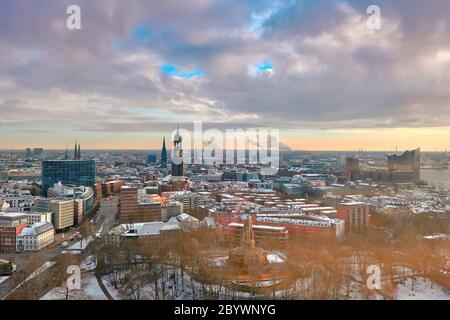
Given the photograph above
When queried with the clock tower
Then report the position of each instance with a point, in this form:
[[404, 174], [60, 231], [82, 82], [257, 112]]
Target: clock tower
[[177, 155]]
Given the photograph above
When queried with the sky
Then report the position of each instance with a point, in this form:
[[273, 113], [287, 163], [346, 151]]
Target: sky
[[312, 69]]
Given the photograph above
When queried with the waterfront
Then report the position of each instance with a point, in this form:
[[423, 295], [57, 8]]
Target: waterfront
[[436, 176]]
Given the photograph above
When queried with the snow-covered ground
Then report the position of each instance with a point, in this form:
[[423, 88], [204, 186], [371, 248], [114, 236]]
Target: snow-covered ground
[[3, 278], [421, 289], [81, 245], [115, 293], [90, 263], [90, 290], [178, 293], [274, 258], [74, 252]]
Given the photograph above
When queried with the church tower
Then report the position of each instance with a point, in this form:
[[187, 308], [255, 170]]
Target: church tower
[[164, 154], [177, 155]]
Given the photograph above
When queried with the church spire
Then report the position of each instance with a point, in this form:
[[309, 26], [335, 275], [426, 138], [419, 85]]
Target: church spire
[[164, 154]]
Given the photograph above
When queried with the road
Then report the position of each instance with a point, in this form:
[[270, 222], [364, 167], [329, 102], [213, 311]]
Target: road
[[104, 220], [106, 216]]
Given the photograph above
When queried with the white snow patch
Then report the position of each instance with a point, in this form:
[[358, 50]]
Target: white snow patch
[[422, 289], [3, 278], [90, 290], [90, 263]]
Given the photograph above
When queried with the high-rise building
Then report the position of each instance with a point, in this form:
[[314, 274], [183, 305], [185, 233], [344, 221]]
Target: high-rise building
[[355, 214], [133, 211], [352, 168], [62, 211], [404, 167], [164, 154], [71, 172], [177, 155]]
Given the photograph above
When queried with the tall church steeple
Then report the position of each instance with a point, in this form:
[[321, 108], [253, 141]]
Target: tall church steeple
[[164, 154], [77, 152]]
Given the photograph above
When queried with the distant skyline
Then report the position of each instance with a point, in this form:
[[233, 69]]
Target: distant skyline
[[309, 68]]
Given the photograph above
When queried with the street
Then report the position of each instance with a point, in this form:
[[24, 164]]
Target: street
[[104, 220]]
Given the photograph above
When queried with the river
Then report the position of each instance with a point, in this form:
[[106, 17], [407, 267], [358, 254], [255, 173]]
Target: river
[[436, 176]]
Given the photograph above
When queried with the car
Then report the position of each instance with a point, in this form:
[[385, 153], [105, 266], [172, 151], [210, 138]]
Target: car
[[64, 244], [7, 268]]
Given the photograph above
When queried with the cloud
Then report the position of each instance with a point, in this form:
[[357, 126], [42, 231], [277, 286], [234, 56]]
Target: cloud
[[283, 64]]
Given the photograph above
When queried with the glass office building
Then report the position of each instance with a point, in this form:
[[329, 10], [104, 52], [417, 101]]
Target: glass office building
[[68, 172]]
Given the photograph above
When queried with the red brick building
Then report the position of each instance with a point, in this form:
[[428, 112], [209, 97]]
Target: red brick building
[[112, 187], [98, 191], [131, 211], [355, 214], [11, 224]]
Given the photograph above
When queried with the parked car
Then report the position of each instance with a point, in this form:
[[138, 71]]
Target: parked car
[[64, 244], [7, 268]]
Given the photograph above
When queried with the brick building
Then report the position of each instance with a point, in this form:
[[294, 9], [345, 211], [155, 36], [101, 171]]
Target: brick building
[[131, 211], [355, 214], [11, 224]]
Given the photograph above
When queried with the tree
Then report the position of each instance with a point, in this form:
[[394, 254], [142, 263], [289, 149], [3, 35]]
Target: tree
[[85, 230]]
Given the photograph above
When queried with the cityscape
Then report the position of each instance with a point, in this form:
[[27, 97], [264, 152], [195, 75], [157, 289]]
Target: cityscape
[[224, 151], [142, 225]]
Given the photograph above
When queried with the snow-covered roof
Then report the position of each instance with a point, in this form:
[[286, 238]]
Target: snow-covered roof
[[257, 226], [186, 217], [36, 229], [150, 228]]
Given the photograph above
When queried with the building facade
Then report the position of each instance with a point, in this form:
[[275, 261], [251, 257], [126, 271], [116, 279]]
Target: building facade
[[37, 217], [355, 214], [68, 172], [36, 237], [131, 210], [405, 167], [62, 211], [11, 224], [18, 200]]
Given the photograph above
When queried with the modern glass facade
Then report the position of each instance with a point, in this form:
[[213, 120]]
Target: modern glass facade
[[73, 172]]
